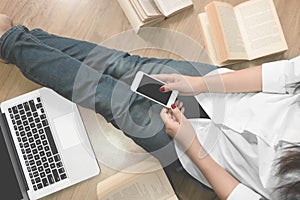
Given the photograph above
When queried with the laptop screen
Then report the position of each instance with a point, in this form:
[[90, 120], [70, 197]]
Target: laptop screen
[[9, 185]]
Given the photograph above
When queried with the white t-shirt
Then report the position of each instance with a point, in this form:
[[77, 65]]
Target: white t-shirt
[[247, 130]]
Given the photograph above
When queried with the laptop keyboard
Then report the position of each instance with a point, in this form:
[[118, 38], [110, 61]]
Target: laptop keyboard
[[35, 139]]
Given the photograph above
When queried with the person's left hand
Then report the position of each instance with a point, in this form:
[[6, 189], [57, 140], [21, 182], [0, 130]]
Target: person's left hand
[[185, 85], [177, 125]]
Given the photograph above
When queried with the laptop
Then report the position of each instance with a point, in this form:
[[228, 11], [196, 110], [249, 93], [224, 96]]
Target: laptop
[[44, 146]]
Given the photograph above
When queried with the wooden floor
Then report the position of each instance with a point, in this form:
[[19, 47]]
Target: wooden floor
[[99, 20]]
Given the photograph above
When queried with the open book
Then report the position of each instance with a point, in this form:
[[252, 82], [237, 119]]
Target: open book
[[142, 13], [151, 183], [245, 32]]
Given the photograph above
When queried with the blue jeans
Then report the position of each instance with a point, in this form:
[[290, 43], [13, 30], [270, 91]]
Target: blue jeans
[[98, 78]]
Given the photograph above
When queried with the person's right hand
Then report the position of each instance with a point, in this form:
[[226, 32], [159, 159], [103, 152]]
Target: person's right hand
[[178, 126], [185, 85]]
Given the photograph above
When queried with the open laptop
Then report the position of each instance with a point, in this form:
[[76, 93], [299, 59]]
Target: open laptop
[[43, 146]]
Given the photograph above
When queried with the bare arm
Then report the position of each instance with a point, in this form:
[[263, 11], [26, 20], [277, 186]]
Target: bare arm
[[179, 127], [246, 80], [220, 180]]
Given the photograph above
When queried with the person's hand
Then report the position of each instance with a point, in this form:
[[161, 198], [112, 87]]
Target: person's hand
[[185, 85], [177, 125]]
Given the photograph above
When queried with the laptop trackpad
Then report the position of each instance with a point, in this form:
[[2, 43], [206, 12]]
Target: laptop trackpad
[[67, 131]]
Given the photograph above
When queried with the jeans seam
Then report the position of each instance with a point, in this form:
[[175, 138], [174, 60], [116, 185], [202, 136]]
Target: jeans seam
[[28, 35], [3, 38]]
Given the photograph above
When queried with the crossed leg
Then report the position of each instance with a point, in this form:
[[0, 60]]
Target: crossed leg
[[60, 64]]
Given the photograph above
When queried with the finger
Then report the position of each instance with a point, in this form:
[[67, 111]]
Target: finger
[[169, 117], [179, 104], [164, 114], [170, 114], [164, 111], [165, 88], [169, 87], [182, 110], [177, 113]]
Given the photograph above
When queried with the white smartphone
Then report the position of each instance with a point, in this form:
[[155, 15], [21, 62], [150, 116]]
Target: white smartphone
[[148, 87]]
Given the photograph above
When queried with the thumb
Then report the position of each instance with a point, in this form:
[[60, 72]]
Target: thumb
[[168, 87]]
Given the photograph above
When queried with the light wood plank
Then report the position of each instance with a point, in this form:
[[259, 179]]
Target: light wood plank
[[99, 20]]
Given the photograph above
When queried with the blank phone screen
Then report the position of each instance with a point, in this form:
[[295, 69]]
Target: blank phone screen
[[150, 87]]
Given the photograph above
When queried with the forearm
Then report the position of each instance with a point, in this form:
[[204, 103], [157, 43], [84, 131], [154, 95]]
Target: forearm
[[220, 180], [181, 129], [246, 80]]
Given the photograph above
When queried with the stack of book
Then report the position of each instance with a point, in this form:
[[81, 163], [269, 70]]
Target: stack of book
[[232, 34], [142, 13]]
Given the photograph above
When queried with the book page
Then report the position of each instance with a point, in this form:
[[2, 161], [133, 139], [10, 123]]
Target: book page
[[134, 18], [149, 7], [260, 28], [131, 14], [170, 7], [150, 186], [230, 32], [150, 183], [139, 10], [146, 10], [209, 44]]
